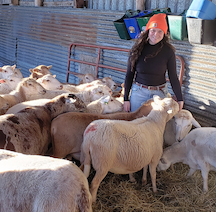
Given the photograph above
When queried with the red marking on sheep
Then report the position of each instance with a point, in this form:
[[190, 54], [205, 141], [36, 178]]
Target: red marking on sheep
[[91, 128]]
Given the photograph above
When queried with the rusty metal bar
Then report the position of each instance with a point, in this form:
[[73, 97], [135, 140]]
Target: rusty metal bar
[[97, 64]]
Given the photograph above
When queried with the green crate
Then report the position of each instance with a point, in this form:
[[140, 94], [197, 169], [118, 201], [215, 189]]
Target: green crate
[[142, 22], [121, 28], [177, 27]]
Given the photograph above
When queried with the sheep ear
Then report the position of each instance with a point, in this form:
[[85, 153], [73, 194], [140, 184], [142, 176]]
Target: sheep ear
[[49, 67], [54, 76], [156, 99], [105, 99], [169, 111], [14, 66], [195, 123], [169, 95]]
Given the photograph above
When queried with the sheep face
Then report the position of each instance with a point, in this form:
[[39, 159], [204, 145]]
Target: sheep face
[[111, 105], [50, 82], [40, 70], [6, 71], [69, 102], [183, 122], [167, 104], [31, 87], [110, 83]]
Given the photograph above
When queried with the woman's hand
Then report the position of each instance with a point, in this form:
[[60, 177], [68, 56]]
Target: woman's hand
[[127, 106], [181, 103]]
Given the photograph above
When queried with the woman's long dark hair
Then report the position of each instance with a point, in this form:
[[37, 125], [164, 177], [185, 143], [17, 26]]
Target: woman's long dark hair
[[137, 48]]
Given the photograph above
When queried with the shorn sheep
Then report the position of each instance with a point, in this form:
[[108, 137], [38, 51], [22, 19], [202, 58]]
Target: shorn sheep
[[72, 125], [34, 183], [124, 147], [106, 104], [197, 149], [28, 131]]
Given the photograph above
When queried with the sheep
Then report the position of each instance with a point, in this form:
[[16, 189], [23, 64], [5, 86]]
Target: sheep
[[197, 150], [28, 131], [179, 126], [75, 124], [20, 106], [6, 71], [18, 73], [106, 104], [39, 71], [4, 87], [26, 90], [50, 82], [85, 78], [71, 126], [9, 84], [109, 82], [124, 147], [40, 183]]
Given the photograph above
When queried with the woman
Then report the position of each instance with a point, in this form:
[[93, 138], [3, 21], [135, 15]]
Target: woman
[[150, 57]]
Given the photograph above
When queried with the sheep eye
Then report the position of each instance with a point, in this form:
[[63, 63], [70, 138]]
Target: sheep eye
[[5, 71], [100, 91], [11, 80], [48, 80], [162, 161], [111, 100]]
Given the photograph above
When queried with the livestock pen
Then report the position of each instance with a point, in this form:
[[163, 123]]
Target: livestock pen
[[31, 36]]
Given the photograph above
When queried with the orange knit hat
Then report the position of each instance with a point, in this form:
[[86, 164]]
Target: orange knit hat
[[158, 21]]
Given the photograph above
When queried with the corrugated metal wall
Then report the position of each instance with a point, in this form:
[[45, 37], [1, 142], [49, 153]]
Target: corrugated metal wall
[[30, 36]]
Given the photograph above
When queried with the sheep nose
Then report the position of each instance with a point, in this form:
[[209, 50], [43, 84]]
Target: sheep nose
[[61, 87]]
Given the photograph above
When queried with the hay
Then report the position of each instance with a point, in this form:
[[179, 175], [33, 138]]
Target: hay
[[176, 192]]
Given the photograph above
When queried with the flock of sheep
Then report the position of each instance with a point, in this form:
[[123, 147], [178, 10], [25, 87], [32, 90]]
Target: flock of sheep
[[43, 122]]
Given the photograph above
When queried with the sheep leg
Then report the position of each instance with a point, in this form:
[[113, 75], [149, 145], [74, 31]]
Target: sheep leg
[[204, 171], [191, 171], [152, 169], [132, 178], [99, 176], [144, 178]]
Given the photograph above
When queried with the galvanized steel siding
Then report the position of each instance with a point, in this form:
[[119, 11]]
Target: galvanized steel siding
[[31, 36]]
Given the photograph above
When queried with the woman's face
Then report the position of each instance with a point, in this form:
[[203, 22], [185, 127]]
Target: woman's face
[[155, 35]]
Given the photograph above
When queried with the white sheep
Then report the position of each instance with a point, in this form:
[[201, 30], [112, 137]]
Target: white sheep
[[124, 147], [9, 84], [6, 71], [85, 78], [50, 82], [41, 184], [197, 150], [106, 104], [71, 126], [39, 71], [88, 78], [26, 90], [179, 126]]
